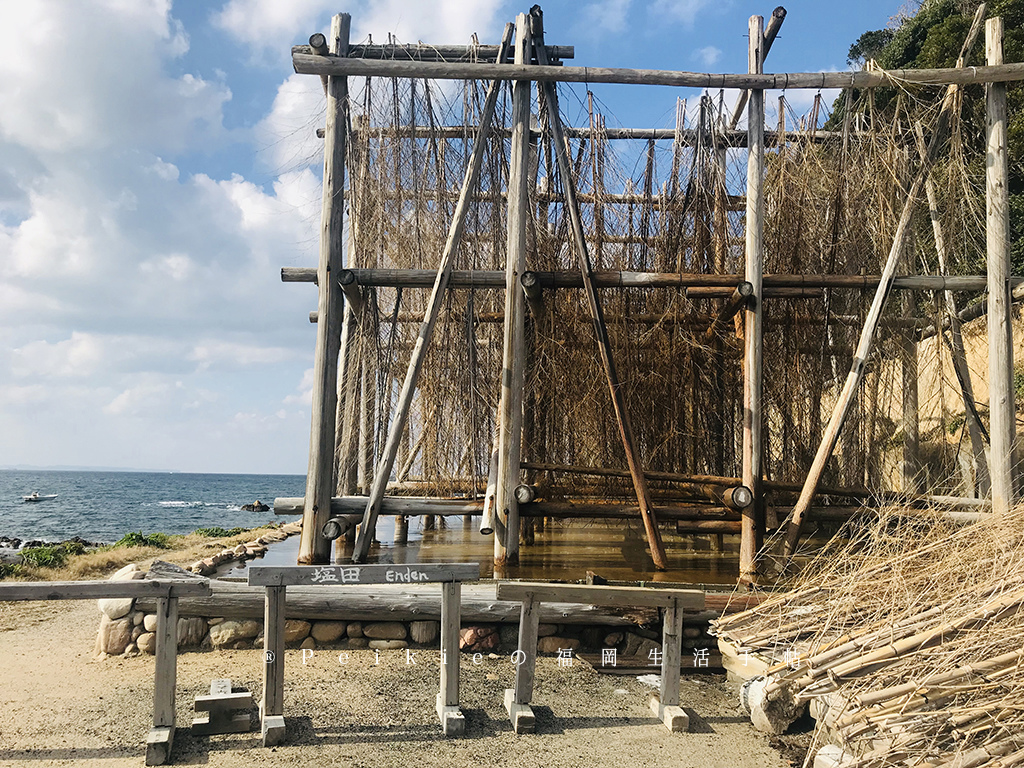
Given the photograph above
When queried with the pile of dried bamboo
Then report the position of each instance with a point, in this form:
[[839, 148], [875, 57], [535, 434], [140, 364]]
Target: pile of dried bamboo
[[910, 641]]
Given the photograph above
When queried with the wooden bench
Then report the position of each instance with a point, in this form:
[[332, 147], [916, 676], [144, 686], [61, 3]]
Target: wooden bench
[[278, 579], [161, 735], [665, 705]]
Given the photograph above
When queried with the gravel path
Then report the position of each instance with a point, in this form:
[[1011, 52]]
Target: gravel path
[[60, 707]]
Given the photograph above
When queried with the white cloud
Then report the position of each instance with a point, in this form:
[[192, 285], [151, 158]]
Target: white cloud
[[147, 398], [88, 97], [708, 55], [216, 352], [288, 133], [166, 171], [176, 266], [684, 11], [602, 17], [267, 24], [79, 356], [304, 396]]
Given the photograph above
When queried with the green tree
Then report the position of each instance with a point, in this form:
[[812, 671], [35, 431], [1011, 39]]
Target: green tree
[[932, 38], [870, 45]]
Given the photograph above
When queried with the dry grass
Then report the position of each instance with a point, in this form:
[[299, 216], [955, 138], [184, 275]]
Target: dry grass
[[181, 550]]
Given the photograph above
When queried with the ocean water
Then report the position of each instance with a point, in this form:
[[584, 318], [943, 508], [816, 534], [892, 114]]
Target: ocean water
[[103, 506]]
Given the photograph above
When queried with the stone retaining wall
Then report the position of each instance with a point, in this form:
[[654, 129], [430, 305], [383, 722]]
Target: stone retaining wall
[[124, 630], [132, 633]]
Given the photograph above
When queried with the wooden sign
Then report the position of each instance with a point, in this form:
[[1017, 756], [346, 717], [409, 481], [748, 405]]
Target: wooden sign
[[326, 575]]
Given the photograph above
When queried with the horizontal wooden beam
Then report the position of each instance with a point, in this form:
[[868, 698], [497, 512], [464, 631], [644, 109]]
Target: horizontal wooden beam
[[390, 505], [655, 201], [424, 278], [408, 602], [973, 312], [686, 138], [443, 53], [312, 64], [709, 526], [674, 477], [326, 575], [543, 592], [346, 507], [102, 590]]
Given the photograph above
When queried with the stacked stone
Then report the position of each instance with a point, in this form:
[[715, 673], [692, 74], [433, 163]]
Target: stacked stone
[[247, 551], [126, 631], [129, 632]]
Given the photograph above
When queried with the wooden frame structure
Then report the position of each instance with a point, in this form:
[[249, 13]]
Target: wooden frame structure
[[161, 736], [664, 705], [524, 58], [277, 579]]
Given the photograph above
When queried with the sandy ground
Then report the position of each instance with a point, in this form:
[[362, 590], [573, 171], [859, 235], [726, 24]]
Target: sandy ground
[[60, 707]]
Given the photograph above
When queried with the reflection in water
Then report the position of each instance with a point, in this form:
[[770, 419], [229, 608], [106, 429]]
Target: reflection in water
[[564, 550]]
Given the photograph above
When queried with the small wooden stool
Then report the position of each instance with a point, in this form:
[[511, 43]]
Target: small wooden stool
[[220, 710]]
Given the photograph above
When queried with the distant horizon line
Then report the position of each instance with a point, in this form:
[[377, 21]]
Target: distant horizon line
[[88, 468]]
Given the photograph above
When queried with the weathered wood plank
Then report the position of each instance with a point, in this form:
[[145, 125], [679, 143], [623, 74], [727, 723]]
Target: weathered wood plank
[[453, 723], [526, 667], [513, 366], [326, 575], [160, 743], [98, 590], [483, 278], [1000, 331], [310, 64], [753, 317], [272, 704], [313, 547], [423, 52], [671, 658], [687, 599], [221, 702], [398, 603]]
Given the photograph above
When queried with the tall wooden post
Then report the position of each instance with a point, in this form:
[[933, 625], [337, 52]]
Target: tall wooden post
[[753, 316], [1000, 349], [313, 547], [513, 368]]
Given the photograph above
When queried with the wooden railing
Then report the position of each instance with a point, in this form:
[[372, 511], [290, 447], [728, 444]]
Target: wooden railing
[[665, 704], [161, 735], [276, 580]]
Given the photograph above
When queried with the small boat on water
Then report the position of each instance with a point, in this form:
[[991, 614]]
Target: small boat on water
[[36, 496]]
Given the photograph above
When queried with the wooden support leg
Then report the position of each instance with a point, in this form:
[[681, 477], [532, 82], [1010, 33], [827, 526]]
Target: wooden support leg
[[452, 721], [272, 705], [161, 735], [666, 704], [517, 700]]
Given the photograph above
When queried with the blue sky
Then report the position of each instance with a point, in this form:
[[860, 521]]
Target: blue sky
[[158, 166]]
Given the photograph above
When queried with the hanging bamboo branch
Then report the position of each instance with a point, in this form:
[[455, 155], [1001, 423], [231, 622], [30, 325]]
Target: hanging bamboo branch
[[864, 346], [401, 415], [596, 312]]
